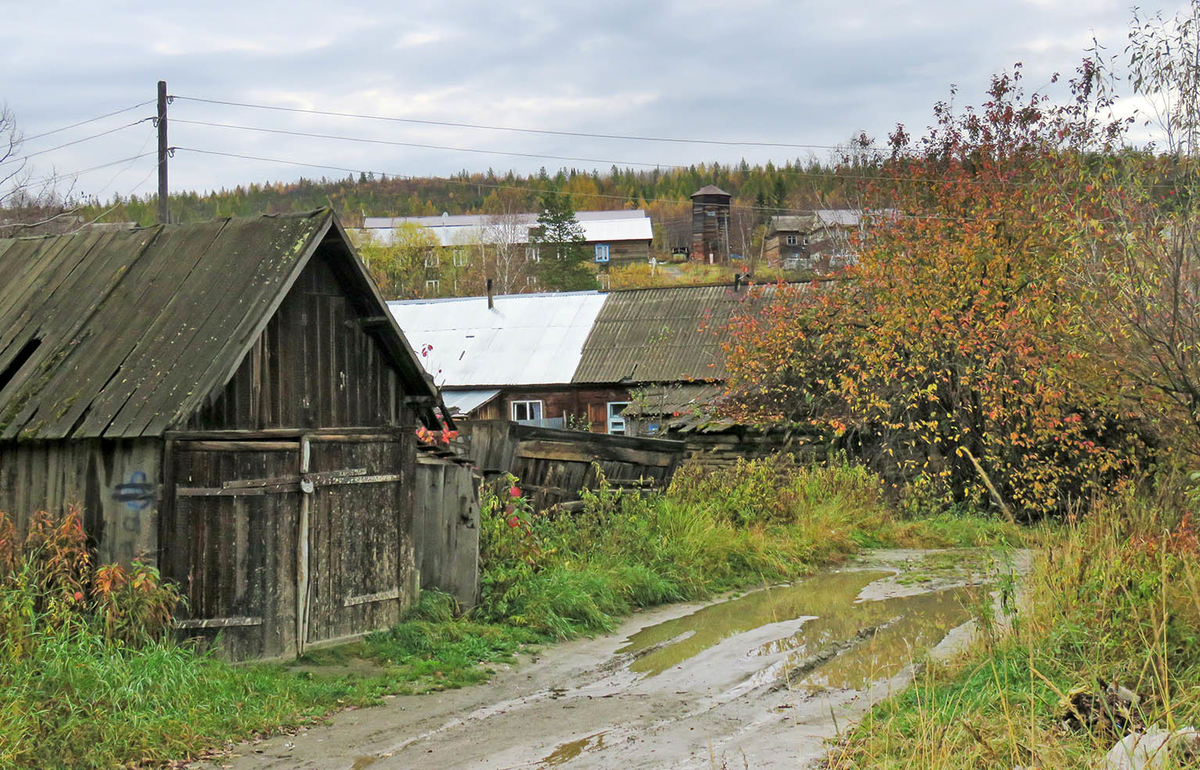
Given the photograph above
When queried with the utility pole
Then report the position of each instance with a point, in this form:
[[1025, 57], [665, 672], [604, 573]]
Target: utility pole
[[164, 215]]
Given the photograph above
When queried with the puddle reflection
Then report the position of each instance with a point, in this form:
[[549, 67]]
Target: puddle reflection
[[902, 627]]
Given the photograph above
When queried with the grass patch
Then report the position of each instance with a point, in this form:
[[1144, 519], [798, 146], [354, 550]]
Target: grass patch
[[100, 690], [1113, 599]]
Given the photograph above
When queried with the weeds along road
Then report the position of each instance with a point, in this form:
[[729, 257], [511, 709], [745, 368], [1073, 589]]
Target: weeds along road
[[761, 680]]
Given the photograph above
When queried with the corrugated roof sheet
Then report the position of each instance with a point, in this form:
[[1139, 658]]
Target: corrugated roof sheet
[[463, 229], [659, 335], [467, 401], [124, 333], [528, 339]]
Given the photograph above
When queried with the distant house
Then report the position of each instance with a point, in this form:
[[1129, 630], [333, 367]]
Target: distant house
[[817, 241], [574, 360], [612, 237], [512, 357], [229, 400]]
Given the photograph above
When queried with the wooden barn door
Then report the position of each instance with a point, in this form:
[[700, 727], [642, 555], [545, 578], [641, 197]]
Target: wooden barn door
[[357, 514], [230, 539]]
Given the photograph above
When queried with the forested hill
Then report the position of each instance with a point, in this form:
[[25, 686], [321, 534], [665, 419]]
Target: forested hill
[[794, 185]]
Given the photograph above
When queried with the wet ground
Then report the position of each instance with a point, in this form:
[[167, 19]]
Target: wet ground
[[759, 681]]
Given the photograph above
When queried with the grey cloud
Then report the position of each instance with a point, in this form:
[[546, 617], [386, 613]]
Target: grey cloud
[[805, 72]]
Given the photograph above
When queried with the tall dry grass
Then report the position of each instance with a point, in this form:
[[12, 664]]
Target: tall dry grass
[[1112, 599]]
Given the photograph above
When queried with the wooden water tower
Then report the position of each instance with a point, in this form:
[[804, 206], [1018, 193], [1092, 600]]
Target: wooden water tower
[[710, 225]]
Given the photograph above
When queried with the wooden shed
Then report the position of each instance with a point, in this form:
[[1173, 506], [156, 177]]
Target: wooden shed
[[228, 399]]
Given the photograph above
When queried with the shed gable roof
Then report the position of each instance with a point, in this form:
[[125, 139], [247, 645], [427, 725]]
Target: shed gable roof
[[120, 334]]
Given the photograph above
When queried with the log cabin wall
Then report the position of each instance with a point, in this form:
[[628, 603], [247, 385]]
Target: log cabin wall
[[560, 401]]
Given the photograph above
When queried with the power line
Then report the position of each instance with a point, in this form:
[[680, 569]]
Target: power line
[[483, 127], [77, 141], [53, 177], [418, 145], [84, 122]]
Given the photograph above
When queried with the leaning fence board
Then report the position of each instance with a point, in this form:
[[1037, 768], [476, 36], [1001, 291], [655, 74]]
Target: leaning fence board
[[219, 622], [553, 465], [379, 596]]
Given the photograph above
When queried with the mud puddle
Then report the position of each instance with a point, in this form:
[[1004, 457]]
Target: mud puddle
[[761, 680]]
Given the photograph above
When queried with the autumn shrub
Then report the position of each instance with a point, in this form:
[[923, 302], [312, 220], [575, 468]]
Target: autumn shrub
[[50, 583], [950, 357]]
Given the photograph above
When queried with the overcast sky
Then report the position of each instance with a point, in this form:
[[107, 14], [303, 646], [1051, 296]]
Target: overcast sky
[[807, 73]]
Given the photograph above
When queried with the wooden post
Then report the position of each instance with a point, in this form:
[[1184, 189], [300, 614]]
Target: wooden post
[[163, 214], [302, 553]]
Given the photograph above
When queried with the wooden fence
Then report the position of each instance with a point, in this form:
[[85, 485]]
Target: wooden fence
[[553, 465], [446, 526]]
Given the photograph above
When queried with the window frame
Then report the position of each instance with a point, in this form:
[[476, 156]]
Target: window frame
[[616, 419], [603, 253], [527, 403]]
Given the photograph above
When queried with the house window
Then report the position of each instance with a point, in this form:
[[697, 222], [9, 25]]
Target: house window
[[792, 240], [432, 259], [526, 411], [616, 421], [531, 281], [460, 258], [433, 284], [531, 254], [601, 252]]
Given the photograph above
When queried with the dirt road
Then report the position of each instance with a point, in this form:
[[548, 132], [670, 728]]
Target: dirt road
[[758, 681]]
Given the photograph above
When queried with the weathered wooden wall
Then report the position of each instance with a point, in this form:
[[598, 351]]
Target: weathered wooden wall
[[315, 365], [286, 543], [446, 527], [625, 252], [116, 484], [719, 449], [235, 555], [553, 465], [362, 570]]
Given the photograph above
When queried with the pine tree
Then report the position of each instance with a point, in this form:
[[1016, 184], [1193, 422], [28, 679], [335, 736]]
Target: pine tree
[[563, 264]]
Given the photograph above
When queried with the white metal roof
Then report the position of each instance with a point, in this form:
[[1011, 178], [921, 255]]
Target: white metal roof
[[464, 229], [467, 401], [527, 339]]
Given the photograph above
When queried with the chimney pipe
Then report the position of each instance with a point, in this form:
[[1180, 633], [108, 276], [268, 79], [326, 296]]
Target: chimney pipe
[[737, 282], [491, 302]]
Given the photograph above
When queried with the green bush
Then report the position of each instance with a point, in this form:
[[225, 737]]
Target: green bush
[[761, 520]]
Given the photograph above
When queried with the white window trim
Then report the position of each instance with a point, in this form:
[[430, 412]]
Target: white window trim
[[433, 283], [540, 409], [792, 240], [603, 253], [531, 254]]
